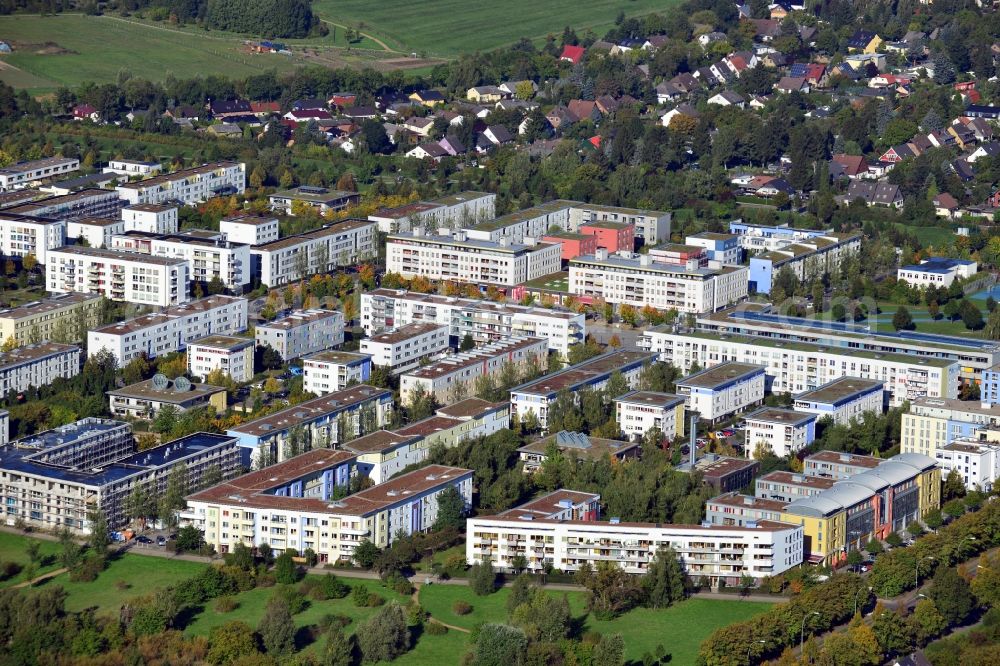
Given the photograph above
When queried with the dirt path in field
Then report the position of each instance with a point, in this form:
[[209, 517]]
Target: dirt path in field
[[416, 599], [385, 47], [44, 576]]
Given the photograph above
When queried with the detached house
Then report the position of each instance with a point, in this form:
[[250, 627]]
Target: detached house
[[573, 54], [679, 110], [86, 112], [584, 109], [790, 84], [428, 98], [864, 41], [874, 194], [945, 205], [484, 94], [849, 166], [728, 98]]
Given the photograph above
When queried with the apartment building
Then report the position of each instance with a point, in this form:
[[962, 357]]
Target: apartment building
[[722, 390], [171, 329], [638, 412], [734, 509], [937, 272], [575, 446], [119, 276], [760, 238], [188, 186], [838, 464], [454, 376], [230, 354], [145, 399], [250, 229], [464, 209], [321, 422], [328, 371], [302, 332], [782, 431], [724, 248], [52, 480], [675, 254], [296, 257], [21, 235], [405, 347], [151, 218], [72, 206], [484, 321], [639, 280], [457, 258], [62, 318], [793, 367], [94, 231], [25, 174], [207, 258], [976, 459], [536, 395], [711, 553], [321, 199], [649, 226], [132, 168], [843, 400], [722, 473], [782, 486], [291, 506], [807, 259], [37, 364], [611, 236], [933, 423]]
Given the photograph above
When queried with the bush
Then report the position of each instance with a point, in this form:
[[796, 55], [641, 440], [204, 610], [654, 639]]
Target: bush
[[375, 600], [435, 629], [9, 569], [399, 584], [296, 601], [226, 604], [331, 620], [461, 607], [360, 595], [88, 569]]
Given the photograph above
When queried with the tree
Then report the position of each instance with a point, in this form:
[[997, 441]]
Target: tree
[[451, 509], [926, 622], [544, 618], [30, 262], [376, 140], [276, 628], [339, 647], [230, 643], [954, 486], [285, 570], [482, 578], [365, 554], [520, 593], [902, 320], [99, 538], [951, 595], [467, 343], [189, 539], [385, 635], [609, 652], [891, 630], [500, 645], [240, 557], [664, 581]]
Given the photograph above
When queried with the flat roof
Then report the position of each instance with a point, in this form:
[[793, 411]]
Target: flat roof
[[460, 197], [310, 410], [406, 332], [227, 342], [969, 446], [377, 442], [664, 400], [144, 321], [606, 224], [299, 318], [102, 253], [777, 415], [473, 303], [548, 505], [798, 479], [720, 375], [714, 235], [844, 458], [429, 426], [314, 194], [492, 246], [582, 373], [339, 357], [653, 266], [760, 525], [841, 390], [471, 408], [150, 207], [35, 308], [253, 220], [32, 353], [720, 466], [322, 232], [583, 445], [31, 165], [145, 390], [272, 476], [477, 355], [399, 212], [100, 222], [178, 175], [735, 498]]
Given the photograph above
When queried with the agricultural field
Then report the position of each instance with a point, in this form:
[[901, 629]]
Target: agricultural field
[[450, 27]]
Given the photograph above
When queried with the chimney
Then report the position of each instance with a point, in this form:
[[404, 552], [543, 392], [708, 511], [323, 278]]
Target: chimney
[[459, 235], [601, 254]]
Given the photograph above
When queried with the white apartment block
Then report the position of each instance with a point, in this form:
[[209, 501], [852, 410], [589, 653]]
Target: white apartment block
[[150, 218], [297, 257], [302, 332], [806, 259], [328, 371], [207, 259], [60, 318], [931, 424], [459, 259], [250, 229], [37, 365], [937, 272], [119, 276], [24, 174], [483, 320], [783, 431], [464, 210], [188, 185], [638, 412], [21, 235], [453, 377], [711, 553], [403, 348], [95, 231], [723, 390], [639, 280], [232, 355], [132, 168], [794, 367], [170, 330], [651, 226], [843, 400], [976, 460]]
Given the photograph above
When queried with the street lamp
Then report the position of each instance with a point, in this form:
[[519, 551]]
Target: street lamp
[[750, 647], [802, 629], [869, 589], [916, 570]]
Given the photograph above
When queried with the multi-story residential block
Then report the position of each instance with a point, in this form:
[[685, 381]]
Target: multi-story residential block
[[759, 238], [484, 321], [460, 259], [640, 280], [250, 229], [712, 553], [62, 318], [573, 244], [794, 367], [723, 473], [807, 259], [782, 431], [611, 236], [170, 330], [732, 508], [786, 487], [638, 412], [651, 227], [843, 400], [464, 209], [723, 390], [673, 254], [933, 423], [151, 218], [977, 461], [989, 386], [230, 354], [119, 276], [59, 494], [132, 168], [187, 185], [453, 377], [25, 174], [94, 231], [534, 397], [21, 235], [145, 399], [328, 371], [302, 332], [575, 445], [724, 248], [207, 258], [937, 272], [321, 199], [405, 347], [37, 365], [291, 506], [73, 206], [838, 464], [297, 257], [322, 422]]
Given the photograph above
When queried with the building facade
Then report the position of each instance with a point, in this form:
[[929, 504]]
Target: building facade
[[21, 235], [328, 371], [723, 390], [250, 229], [302, 332], [293, 258], [843, 400], [119, 276], [405, 347], [150, 218], [232, 355], [37, 365], [145, 399], [638, 412], [187, 186], [62, 318], [24, 174]]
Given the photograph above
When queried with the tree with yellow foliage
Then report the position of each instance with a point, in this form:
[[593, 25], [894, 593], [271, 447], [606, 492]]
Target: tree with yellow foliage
[[10, 344], [173, 367]]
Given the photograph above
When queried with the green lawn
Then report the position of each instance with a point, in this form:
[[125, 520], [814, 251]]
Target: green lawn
[[450, 27], [936, 236], [554, 282], [922, 322], [12, 549], [680, 628]]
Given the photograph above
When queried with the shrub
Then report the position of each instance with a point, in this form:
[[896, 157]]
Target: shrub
[[9, 570], [399, 584], [122, 584], [461, 607], [436, 629], [226, 604], [333, 619], [375, 600], [296, 601], [359, 595], [88, 569]]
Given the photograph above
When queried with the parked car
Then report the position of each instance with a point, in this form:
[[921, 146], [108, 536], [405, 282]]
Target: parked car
[[728, 433], [144, 540], [161, 541]]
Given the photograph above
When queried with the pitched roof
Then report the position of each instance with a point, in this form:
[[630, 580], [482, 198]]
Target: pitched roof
[[572, 53]]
